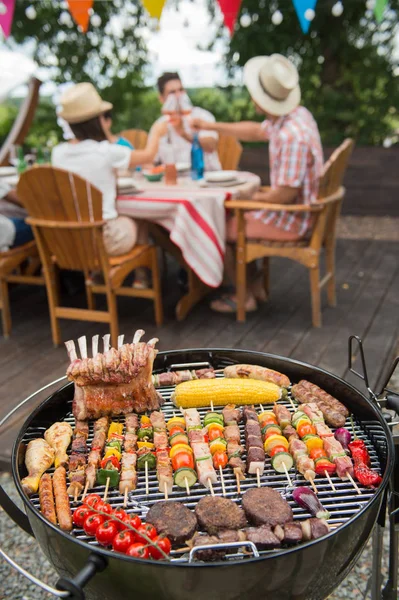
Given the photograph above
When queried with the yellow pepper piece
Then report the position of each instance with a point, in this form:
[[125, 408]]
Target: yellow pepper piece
[[115, 428], [113, 452], [314, 442], [145, 420], [179, 448], [275, 440], [200, 392], [180, 421], [149, 445]]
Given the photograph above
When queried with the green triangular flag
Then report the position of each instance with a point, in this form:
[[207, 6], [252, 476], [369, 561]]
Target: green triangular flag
[[379, 9]]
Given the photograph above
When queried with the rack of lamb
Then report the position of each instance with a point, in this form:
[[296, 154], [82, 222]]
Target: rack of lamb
[[116, 382]]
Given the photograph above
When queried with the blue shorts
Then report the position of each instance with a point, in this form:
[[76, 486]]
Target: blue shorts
[[23, 232]]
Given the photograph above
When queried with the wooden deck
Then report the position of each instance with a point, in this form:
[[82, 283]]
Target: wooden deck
[[368, 305]]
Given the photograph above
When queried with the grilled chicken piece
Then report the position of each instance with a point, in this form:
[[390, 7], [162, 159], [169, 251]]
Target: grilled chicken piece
[[59, 437], [38, 458]]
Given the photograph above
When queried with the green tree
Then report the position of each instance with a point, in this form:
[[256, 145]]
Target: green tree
[[347, 64], [112, 54]]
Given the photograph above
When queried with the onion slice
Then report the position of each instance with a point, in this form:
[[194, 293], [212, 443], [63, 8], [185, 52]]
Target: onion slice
[[308, 500]]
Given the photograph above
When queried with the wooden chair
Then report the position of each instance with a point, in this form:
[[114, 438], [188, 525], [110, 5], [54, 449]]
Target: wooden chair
[[66, 216], [229, 151], [307, 252], [17, 265], [23, 121], [137, 137]]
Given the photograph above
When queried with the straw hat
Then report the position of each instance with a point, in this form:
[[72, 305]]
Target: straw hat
[[273, 83], [81, 103]]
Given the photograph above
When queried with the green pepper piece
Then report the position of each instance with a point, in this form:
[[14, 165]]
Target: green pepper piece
[[115, 444], [104, 474], [145, 434], [146, 458]]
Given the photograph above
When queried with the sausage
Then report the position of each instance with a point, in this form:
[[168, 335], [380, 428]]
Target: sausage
[[325, 397], [256, 372], [63, 508], [331, 415], [46, 497]]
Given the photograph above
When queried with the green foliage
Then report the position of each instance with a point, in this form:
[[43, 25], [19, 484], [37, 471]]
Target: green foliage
[[346, 64]]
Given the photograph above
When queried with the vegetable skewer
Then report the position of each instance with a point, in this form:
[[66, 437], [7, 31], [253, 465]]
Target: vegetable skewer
[[214, 425], [146, 459], [275, 444], [202, 454], [109, 473], [181, 454]]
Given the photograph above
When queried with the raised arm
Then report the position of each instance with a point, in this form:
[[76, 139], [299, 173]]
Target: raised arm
[[246, 131], [141, 157]]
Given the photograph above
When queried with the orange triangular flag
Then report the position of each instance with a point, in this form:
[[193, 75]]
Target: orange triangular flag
[[79, 10]]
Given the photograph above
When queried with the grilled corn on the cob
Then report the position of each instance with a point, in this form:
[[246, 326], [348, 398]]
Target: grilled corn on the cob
[[225, 391]]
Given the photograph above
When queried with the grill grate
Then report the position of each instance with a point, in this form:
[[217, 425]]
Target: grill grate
[[342, 504]]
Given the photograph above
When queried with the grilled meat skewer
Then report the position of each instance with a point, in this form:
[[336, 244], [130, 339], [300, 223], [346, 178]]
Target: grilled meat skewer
[[164, 465], [128, 479], [78, 458], [175, 377], [253, 439]]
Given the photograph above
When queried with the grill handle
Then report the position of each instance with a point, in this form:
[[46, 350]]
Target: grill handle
[[14, 512], [237, 545], [66, 588]]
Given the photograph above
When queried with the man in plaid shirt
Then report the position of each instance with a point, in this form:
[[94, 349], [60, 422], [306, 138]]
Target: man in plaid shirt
[[295, 156]]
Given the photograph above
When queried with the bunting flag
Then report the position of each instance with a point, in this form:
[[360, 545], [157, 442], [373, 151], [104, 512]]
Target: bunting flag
[[6, 16], [79, 10], [230, 10], [301, 7], [379, 8], [154, 7]]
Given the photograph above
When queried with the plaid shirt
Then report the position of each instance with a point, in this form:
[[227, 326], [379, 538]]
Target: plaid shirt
[[296, 160]]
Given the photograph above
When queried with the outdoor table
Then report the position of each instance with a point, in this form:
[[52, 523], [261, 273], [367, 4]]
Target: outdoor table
[[194, 216]]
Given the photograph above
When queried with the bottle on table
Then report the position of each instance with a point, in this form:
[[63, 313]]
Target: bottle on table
[[197, 159], [22, 165]]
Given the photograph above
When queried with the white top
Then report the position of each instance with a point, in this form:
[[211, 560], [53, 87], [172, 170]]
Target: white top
[[96, 162], [182, 147]]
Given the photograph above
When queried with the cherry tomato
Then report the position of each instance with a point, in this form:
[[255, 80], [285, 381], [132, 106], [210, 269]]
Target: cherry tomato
[[148, 530], [106, 532], [277, 449], [317, 453], [122, 541], [104, 507], [176, 429], [80, 514], [133, 520], [220, 460], [306, 429], [91, 523], [181, 460], [92, 499], [138, 551], [164, 544], [119, 513]]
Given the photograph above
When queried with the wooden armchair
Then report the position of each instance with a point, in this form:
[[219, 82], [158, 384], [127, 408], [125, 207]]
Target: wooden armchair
[[137, 137], [22, 123], [18, 265], [308, 251], [229, 151], [66, 217]]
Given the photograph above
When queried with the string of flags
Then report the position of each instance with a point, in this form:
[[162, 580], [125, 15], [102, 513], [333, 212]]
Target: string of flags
[[82, 12]]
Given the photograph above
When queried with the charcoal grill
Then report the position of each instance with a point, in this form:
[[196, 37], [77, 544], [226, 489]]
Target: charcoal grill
[[308, 571]]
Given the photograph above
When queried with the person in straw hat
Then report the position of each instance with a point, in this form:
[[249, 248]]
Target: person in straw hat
[[295, 157], [96, 159]]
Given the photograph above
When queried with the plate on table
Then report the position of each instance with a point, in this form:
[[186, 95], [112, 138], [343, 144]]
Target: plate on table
[[11, 180], [220, 176], [181, 167], [128, 185], [221, 184], [7, 171]]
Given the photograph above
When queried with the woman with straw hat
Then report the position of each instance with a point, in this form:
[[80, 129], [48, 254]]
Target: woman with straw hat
[[295, 158], [96, 159]]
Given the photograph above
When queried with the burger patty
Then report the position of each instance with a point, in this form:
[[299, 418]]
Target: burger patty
[[215, 514], [265, 506], [174, 520]]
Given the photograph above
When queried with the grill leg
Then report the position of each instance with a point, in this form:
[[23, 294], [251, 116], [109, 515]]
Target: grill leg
[[377, 558], [390, 590]]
